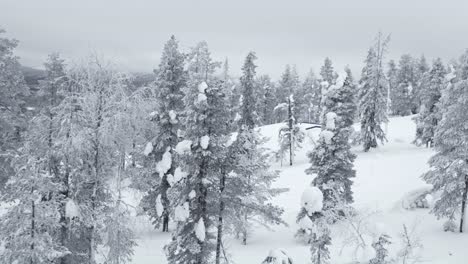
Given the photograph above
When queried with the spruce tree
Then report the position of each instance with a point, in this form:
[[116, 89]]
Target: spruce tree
[[99, 91], [169, 85], [421, 69], [449, 165], [207, 128], [12, 119], [290, 136], [373, 96], [308, 99], [268, 100], [252, 178], [28, 227], [327, 72], [406, 87], [288, 85], [381, 250], [332, 159], [392, 85], [429, 114]]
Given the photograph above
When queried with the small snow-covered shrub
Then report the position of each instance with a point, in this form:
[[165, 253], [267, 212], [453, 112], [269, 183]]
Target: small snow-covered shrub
[[278, 256], [450, 226], [420, 198], [381, 250]]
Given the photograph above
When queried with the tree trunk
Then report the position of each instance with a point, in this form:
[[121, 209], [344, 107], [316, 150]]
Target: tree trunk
[[220, 219], [290, 126], [33, 227], [463, 205], [165, 227]]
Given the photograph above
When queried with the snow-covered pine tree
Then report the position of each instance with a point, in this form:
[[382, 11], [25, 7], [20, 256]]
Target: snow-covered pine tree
[[207, 128], [421, 68], [429, 114], [93, 160], [392, 74], [309, 98], [332, 159], [251, 178], [47, 125], [449, 166], [231, 92], [12, 120], [381, 250], [35, 188], [372, 96], [267, 104], [327, 72], [319, 246], [290, 136], [50, 90], [128, 126], [288, 85], [169, 85], [29, 226], [406, 87]]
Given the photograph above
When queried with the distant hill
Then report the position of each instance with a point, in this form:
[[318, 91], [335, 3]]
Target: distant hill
[[32, 76]]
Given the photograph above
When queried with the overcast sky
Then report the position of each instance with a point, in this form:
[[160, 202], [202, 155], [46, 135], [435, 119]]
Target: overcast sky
[[132, 33]]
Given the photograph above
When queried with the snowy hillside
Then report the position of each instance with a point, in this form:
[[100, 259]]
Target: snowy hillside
[[385, 176]]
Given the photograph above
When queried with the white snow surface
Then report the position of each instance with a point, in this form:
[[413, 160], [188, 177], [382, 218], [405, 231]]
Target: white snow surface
[[205, 141], [202, 87], [279, 256], [71, 209], [201, 92], [183, 146], [159, 206], [201, 98], [182, 212], [330, 119], [179, 174], [148, 148], [173, 116], [165, 163], [312, 200], [192, 194], [305, 223], [383, 177], [200, 230], [327, 136], [341, 79]]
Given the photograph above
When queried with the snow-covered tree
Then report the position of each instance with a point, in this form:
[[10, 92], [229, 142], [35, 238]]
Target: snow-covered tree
[[252, 176], [392, 74], [278, 256], [319, 245], [29, 226], [449, 166], [332, 159], [421, 68], [381, 250], [327, 72], [12, 120], [169, 85], [290, 136], [429, 114], [372, 96], [288, 83], [268, 99], [98, 89], [207, 130], [309, 98], [402, 103], [313, 224]]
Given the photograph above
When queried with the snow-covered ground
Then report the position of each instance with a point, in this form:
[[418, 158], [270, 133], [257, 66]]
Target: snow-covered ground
[[384, 177]]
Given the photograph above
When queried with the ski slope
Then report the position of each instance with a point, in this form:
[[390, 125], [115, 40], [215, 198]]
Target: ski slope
[[384, 176]]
